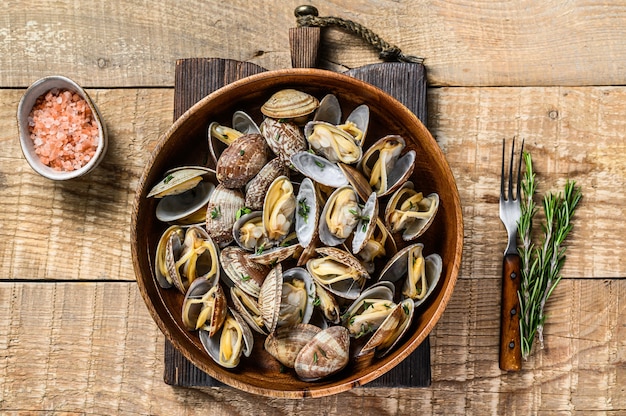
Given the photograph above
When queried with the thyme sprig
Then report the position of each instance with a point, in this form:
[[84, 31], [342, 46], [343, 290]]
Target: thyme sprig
[[541, 264]]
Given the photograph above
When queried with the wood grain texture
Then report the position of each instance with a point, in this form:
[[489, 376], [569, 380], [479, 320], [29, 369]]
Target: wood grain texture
[[73, 348], [465, 43]]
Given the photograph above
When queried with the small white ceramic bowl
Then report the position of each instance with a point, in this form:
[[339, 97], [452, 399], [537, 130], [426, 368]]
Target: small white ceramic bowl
[[37, 89]]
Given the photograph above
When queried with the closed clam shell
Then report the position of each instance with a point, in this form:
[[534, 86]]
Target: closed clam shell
[[241, 161], [241, 271], [324, 355], [222, 213], [257, 188], [285, 343], [289, 103], [284, 138]]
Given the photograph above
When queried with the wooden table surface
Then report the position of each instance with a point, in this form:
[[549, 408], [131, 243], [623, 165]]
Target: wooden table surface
[[75, 334]]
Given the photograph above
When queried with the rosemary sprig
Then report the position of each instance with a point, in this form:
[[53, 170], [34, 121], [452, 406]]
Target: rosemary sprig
[[542, 264]]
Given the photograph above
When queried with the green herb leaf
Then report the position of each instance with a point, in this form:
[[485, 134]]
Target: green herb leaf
[[167, 179], [242, 211], [216, 212], [303, 209], [242, 152], [319, 164]]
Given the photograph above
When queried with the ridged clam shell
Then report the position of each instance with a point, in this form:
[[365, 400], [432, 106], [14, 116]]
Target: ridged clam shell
[[284, 344], [326, 354], [289, 103], [257, 188], [241, 271], [248, 307], [160, 267], [284, 138], [391, 330], [241, 161], [269, 297], [222, 212]]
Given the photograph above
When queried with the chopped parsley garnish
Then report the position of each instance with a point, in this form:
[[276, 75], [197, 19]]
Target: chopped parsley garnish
[[242, 152], [216, 212], [319, 164], [303, 209], [317, 302], [167, 179], [242, 211]]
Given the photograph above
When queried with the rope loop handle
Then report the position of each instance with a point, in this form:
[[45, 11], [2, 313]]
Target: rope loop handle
[[308, 16]]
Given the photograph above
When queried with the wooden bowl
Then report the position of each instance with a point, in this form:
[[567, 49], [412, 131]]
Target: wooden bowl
[[185, 143]]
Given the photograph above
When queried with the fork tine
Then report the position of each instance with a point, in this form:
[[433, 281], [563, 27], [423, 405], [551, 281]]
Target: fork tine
[[510, 195], [519, 170], [502, 172]]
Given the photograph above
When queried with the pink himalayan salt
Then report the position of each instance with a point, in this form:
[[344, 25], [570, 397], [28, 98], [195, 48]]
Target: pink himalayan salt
[[63, 130]]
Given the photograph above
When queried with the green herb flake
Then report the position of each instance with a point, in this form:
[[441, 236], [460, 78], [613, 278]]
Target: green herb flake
[[167, 179], [319, 164], [216, 212], [317, 301], [245, 277], [323, 352], [303, 209], [260, 249], [242, 211], [242, 152], [315, 357], [405, 309]]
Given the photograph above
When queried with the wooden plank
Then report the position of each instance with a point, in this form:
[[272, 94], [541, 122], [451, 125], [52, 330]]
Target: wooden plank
[[466, 43], [93, 348], [575, 132]]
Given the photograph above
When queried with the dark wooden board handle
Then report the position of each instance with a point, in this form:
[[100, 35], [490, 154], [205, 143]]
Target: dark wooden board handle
[[510, 348]]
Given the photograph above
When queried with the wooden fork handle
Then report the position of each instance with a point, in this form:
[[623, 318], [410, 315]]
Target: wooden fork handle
[[510, 340]]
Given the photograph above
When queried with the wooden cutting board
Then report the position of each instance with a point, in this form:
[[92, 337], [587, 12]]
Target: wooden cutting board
[[197, 77]]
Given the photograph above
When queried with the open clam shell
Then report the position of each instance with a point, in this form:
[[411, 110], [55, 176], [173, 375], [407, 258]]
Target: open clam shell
[[384, 165], [179, 180], [220, 136], [233, 340], [340, 216], [356, 123], [249, 233], [160, 265], [417, 275], [338, 271], [319, 169], [366, 225], [391, 330], [329, 110], [257, 188], [197, 256], [409, 212], [248, 307], [333, 142], [307, 212], [270, 255], [279, 209], [379, 245], [204, 306], [365, 315]]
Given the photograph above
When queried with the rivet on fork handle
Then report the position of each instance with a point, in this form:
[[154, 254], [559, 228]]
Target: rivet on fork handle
[[510, 348]]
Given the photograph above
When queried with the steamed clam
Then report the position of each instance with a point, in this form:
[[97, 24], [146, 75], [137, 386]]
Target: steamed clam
[[290, 104], [418, 275], [292, 234], [204, 306], [231, 341], [340, 216], [241, 161], [384, 166], [279, 208], [195, 257], [410, 212], [338, 271]]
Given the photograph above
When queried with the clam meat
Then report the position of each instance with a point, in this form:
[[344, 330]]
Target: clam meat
[[279, 208]]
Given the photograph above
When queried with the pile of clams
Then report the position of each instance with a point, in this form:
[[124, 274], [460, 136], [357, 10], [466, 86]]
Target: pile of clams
[[297, 237]]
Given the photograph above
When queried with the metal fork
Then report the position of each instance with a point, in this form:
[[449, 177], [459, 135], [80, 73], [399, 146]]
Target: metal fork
[[510, 213]]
